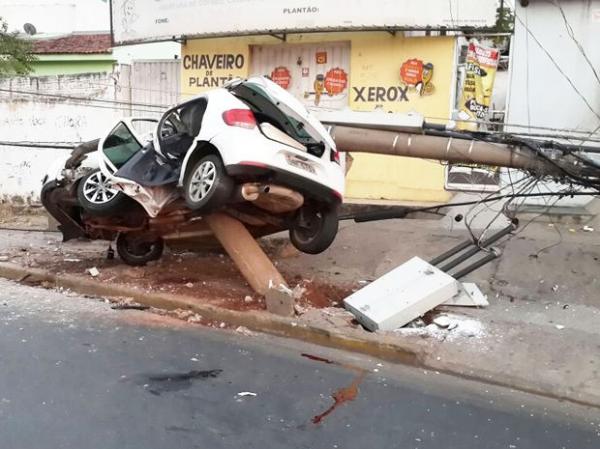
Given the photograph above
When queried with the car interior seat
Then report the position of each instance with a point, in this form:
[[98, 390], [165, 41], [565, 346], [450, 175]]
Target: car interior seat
[[191, 116]]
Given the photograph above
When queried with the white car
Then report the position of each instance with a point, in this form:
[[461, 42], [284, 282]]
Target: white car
[[250, 148]]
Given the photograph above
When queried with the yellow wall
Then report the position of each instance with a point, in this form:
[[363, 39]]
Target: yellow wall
[[376, 58]]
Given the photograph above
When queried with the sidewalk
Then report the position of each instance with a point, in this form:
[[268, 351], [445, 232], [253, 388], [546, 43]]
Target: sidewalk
[[541, 332]]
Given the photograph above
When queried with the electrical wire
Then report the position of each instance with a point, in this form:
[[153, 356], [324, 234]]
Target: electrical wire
[[571, 34], [557, 66]]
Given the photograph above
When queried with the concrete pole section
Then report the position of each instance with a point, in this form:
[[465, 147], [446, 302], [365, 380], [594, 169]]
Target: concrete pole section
[[449, 149], [245, 252]]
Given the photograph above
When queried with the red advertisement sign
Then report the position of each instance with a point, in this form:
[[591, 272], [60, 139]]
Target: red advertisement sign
[[336, 81], [411, 71], [282, 76], [321, 57]]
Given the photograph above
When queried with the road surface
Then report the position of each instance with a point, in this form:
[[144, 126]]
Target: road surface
[[76, 374]]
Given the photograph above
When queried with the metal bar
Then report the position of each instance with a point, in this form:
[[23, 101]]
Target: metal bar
[[475, 265], [470, 253], [451, 252]]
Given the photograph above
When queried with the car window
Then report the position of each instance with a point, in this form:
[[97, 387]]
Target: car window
[[120, 145]]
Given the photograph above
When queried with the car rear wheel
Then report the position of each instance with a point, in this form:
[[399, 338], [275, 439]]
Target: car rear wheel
[[139, 250], [97, 197], [314, 229], [207, 186]]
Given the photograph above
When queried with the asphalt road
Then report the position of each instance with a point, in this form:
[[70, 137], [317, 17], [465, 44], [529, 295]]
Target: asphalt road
[[76, 374]]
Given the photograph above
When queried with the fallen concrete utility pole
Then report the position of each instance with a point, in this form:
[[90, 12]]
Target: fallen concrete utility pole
[[451, 149], [245, 252]]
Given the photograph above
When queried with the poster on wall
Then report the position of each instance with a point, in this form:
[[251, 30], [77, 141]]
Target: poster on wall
[[478, 85], [475, 98], [316, 74]]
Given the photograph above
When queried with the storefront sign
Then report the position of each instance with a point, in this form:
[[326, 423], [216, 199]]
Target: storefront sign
[[380, 94], [205, 67], [482, 63], [281, 76], [145, 20]]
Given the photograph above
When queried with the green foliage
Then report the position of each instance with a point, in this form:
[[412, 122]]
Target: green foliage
[[15, 53]]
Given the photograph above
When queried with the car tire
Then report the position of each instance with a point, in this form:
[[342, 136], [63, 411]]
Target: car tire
[[97, 198], [207, 186], [314, 229], [136, 251]]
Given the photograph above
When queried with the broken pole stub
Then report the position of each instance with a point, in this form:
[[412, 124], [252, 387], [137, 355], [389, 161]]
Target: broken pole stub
[[245, 252], [280, 301]]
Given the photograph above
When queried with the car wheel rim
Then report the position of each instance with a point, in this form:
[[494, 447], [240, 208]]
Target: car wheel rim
[[96, 189], [202, 181]]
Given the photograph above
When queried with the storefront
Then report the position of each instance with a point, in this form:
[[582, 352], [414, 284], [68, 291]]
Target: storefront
[[380, 70]]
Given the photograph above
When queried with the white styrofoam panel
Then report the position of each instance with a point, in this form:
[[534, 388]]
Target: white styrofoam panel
[[401, 295]]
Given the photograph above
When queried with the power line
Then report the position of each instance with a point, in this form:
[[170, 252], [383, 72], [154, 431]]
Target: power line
[[571, 34], [557, 66], [37, 145], [73, 98]]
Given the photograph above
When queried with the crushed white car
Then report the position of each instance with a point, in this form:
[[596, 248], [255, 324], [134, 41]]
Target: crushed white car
[[249, 148]]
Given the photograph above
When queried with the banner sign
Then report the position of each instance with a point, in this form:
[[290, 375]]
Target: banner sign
[[134, 21], [482, 63]]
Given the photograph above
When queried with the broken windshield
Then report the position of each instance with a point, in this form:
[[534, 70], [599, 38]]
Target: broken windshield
[[279, 109]]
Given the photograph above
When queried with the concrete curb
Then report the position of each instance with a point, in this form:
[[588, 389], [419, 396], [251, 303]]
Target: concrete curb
[[382, 347]]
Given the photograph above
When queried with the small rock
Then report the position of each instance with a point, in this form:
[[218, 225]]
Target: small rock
[[3, 258], [248, 299], [222, 325], [560, 327], [189, 285], [555, 288], [442, 321]]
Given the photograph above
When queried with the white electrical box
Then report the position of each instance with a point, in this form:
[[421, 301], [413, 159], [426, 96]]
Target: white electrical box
[[401, 295]]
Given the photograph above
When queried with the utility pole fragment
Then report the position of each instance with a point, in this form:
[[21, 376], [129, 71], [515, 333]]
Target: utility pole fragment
[[245, 252]]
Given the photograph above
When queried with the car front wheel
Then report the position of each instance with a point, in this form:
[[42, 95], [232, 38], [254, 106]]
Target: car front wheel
[[96, 196], [207, 186]]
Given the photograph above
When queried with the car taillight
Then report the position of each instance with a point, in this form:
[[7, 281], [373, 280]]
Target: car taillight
[[244, 118], [335, 156]]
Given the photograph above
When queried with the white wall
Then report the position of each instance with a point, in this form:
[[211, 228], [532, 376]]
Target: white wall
[[26, 118], [539, 94]]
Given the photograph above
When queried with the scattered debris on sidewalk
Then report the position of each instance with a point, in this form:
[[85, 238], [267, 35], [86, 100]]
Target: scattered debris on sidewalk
[[445, 327]]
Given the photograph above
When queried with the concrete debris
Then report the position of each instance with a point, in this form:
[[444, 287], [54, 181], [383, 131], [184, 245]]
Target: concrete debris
[[280, 300], [442, 321], [93, 272], [298, 292], [458, 327], [588, 229], [401, 295], [244, 331], [299, 309]]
